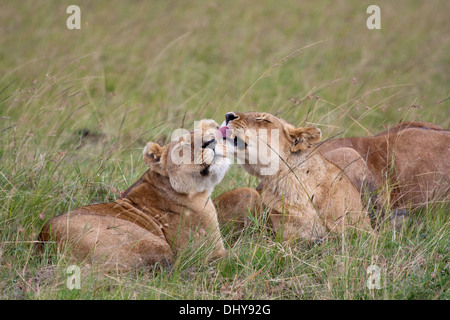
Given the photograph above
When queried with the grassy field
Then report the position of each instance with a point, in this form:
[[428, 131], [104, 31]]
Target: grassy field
[[77, 106]]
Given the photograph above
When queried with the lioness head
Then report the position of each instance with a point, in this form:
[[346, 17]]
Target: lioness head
[[264, 143], [194, 161]]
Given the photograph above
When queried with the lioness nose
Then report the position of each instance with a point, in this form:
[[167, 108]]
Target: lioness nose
[[230, 116]]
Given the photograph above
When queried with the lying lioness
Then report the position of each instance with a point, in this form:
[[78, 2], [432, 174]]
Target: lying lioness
[[312, 191], [405, 167], [159, 214]]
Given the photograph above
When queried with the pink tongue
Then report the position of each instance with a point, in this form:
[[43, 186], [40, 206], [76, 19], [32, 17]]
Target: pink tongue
[[225, 131]]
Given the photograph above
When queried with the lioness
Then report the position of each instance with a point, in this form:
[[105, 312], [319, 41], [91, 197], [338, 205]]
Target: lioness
[[405, 167], [158, 214], [316, 189]]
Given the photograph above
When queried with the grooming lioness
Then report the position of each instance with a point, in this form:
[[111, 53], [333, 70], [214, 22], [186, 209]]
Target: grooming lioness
[[312, 192], [159, 214]]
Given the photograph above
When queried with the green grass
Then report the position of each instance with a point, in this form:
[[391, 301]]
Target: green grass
[[135, 72]]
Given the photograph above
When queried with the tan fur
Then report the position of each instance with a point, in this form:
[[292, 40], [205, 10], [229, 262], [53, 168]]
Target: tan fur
[[308, 195], [234, 206], [318, 188], [157, 216], [407, 165]]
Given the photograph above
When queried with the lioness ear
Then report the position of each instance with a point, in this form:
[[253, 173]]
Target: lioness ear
[[302, 138], [153, 153]]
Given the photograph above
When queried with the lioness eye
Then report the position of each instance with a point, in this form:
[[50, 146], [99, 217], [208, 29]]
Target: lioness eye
[[207, 143]]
